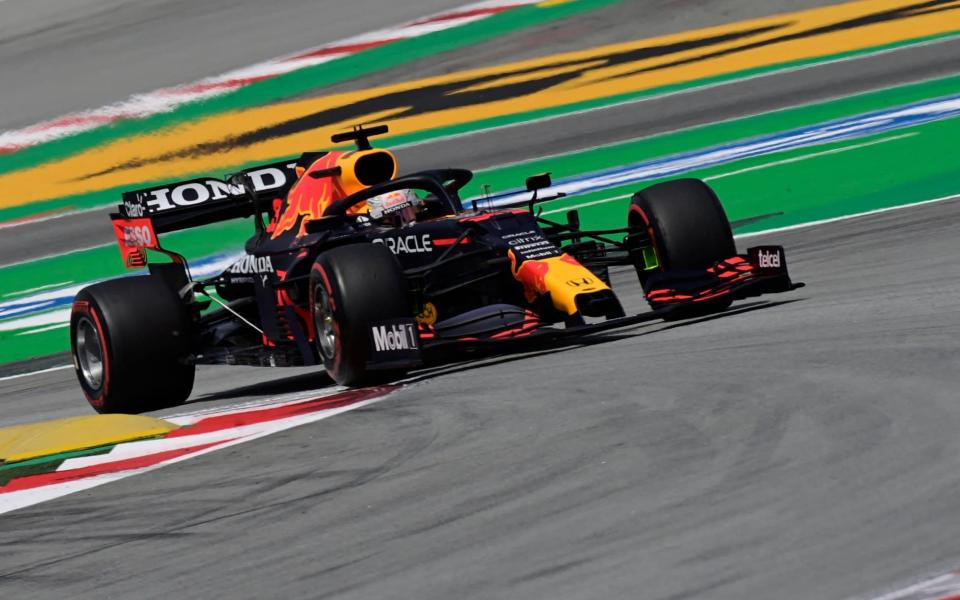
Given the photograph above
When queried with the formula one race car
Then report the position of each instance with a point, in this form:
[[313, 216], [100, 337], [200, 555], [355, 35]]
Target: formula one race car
[[368, 274]]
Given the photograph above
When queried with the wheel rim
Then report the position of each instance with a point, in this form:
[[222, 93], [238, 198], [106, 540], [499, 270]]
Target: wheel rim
[[90, 353], [325, 325]]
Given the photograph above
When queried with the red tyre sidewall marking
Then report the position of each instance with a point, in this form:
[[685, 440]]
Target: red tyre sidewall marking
[[338, 353], [87, 309]]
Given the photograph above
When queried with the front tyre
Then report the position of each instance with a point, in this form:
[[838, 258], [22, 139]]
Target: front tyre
[[687, 223], [130, 339], [689, 229], [351, 287]]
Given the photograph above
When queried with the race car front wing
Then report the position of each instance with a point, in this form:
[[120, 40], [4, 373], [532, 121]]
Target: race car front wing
[[671, 294]]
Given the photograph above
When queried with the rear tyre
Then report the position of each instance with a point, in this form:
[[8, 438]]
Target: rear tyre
[[352, 286], [130, 339], [688, 227]]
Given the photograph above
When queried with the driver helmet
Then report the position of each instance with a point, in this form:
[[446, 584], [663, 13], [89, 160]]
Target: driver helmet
[[398, 207]]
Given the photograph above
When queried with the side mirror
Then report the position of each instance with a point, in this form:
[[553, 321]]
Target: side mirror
[[538, 182]]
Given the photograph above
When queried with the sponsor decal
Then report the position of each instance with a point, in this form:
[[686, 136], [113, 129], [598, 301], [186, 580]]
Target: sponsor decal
[[394, 342], [133, 235], [308, 198], [200, 191], [428, 316], [391, 203], [532, 274], [132, 209], [580, 282], [768, 257], [408, 244], [531, 245], [252, 265], [391, 338], [138, 236]]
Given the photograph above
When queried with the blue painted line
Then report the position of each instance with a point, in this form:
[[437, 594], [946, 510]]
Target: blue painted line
[[29, 308]]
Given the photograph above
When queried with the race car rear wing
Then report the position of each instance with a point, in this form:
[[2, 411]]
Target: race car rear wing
[[186, 204], [202, 201]]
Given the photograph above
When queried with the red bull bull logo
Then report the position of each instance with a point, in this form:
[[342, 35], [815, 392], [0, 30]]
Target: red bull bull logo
[[309, 197], [562, 276]]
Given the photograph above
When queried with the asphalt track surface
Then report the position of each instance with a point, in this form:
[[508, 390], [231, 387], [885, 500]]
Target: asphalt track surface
[[803, 446]]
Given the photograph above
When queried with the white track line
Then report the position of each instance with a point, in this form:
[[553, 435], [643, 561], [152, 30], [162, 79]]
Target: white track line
[[32, 373], [43, 329], [797, 159], [944, 586], [37, 289], [56, 254], [584, 205], [38, 319], [868, 213], [70, 213]]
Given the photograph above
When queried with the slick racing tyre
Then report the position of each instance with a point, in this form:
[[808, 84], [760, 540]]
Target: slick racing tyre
[[351, 287], [690, 230], [130, 339], [688, 227]]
